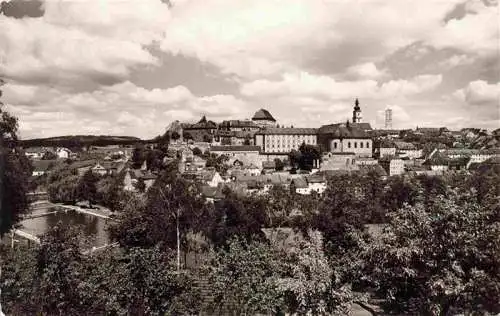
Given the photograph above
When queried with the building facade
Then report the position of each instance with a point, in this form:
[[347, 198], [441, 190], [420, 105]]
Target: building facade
[[284, 140], [340, 138]]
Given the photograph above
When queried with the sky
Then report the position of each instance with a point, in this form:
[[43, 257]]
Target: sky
[[129, 67]]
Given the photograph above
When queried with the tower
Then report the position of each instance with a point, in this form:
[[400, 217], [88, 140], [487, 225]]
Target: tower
[[356, 113], [388, 118]]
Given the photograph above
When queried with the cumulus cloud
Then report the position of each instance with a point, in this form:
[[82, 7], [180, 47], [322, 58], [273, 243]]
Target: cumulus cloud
[[119, 109], [255, 38], [475, 32], [480, 92], [77, 43], [366, 71], [305, 84]]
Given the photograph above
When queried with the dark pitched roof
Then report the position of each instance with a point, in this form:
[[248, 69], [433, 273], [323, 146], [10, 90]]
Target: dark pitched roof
[[289, 131], [269, 164], [235, 148], [263, 114], [343, 130], [238, 123], [43, 165], [82, 164], [405, 146], [300, 182], [363, 126]]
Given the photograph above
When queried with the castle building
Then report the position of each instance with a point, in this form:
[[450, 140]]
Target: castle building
[[264, 119], [356, 113]]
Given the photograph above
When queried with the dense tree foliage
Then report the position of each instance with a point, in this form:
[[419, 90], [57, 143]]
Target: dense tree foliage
[[278, 164], [304, 158], [87, 187], [442, 258], [15, 170], [219, 162], [58, 278]]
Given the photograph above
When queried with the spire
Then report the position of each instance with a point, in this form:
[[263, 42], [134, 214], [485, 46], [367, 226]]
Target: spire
[[356, 105]]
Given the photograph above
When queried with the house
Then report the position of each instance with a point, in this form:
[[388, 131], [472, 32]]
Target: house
[[63, 153], [252, 170], [300, 186], [35, 152], [210, 177], [132, 176], [268, 166], [99, 170], [316, 183], [339, 161], [82, 166], [386, 148], [437, 162], [409, 150], [246, 154], [41, 167], [392, 166]]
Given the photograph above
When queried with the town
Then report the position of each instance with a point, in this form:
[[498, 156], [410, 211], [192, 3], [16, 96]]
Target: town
[[227, 157], [254, 155]]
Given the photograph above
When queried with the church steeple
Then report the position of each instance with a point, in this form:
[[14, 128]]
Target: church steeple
[[356, 113]]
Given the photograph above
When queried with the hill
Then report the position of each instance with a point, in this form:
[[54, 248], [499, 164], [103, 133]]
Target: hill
[[78, 141]]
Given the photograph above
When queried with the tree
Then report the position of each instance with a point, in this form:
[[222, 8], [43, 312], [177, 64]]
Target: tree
[[138, 156], [49, 155], [175, 136], [309, 285], [279, 165], [243, 279], [87, 189], [207, 138], [197, 152], [140, 185], [59, 278], [439, 259], [15, 170], [173, 208], [237, 217], [305, 157], [219, 162], [187, 136]]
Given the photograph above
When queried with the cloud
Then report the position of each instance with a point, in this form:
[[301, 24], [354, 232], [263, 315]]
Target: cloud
[[480, 93], [366, 71], [81, 43], [305, 84], [119, 109], [475, 32], [262, 38], [457, 61]]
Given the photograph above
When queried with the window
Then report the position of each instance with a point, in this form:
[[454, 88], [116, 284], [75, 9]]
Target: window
[[335, 145], [349, 145], [355, 145], [367, 144], [361, 144]]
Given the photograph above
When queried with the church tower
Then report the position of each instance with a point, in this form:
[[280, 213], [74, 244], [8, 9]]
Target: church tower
[[356, 113]]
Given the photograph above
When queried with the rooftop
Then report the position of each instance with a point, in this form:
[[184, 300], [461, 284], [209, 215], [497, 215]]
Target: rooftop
[[263, 114], [288, 131], [343, 130], [235, 148]]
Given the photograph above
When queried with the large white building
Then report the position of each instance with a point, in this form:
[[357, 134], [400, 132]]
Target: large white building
[[284, 140]]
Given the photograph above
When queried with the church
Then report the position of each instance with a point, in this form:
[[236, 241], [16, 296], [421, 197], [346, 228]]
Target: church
[[349, 137]]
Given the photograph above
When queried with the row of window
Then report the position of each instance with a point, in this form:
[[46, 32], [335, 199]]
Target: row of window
[[361, 144]]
